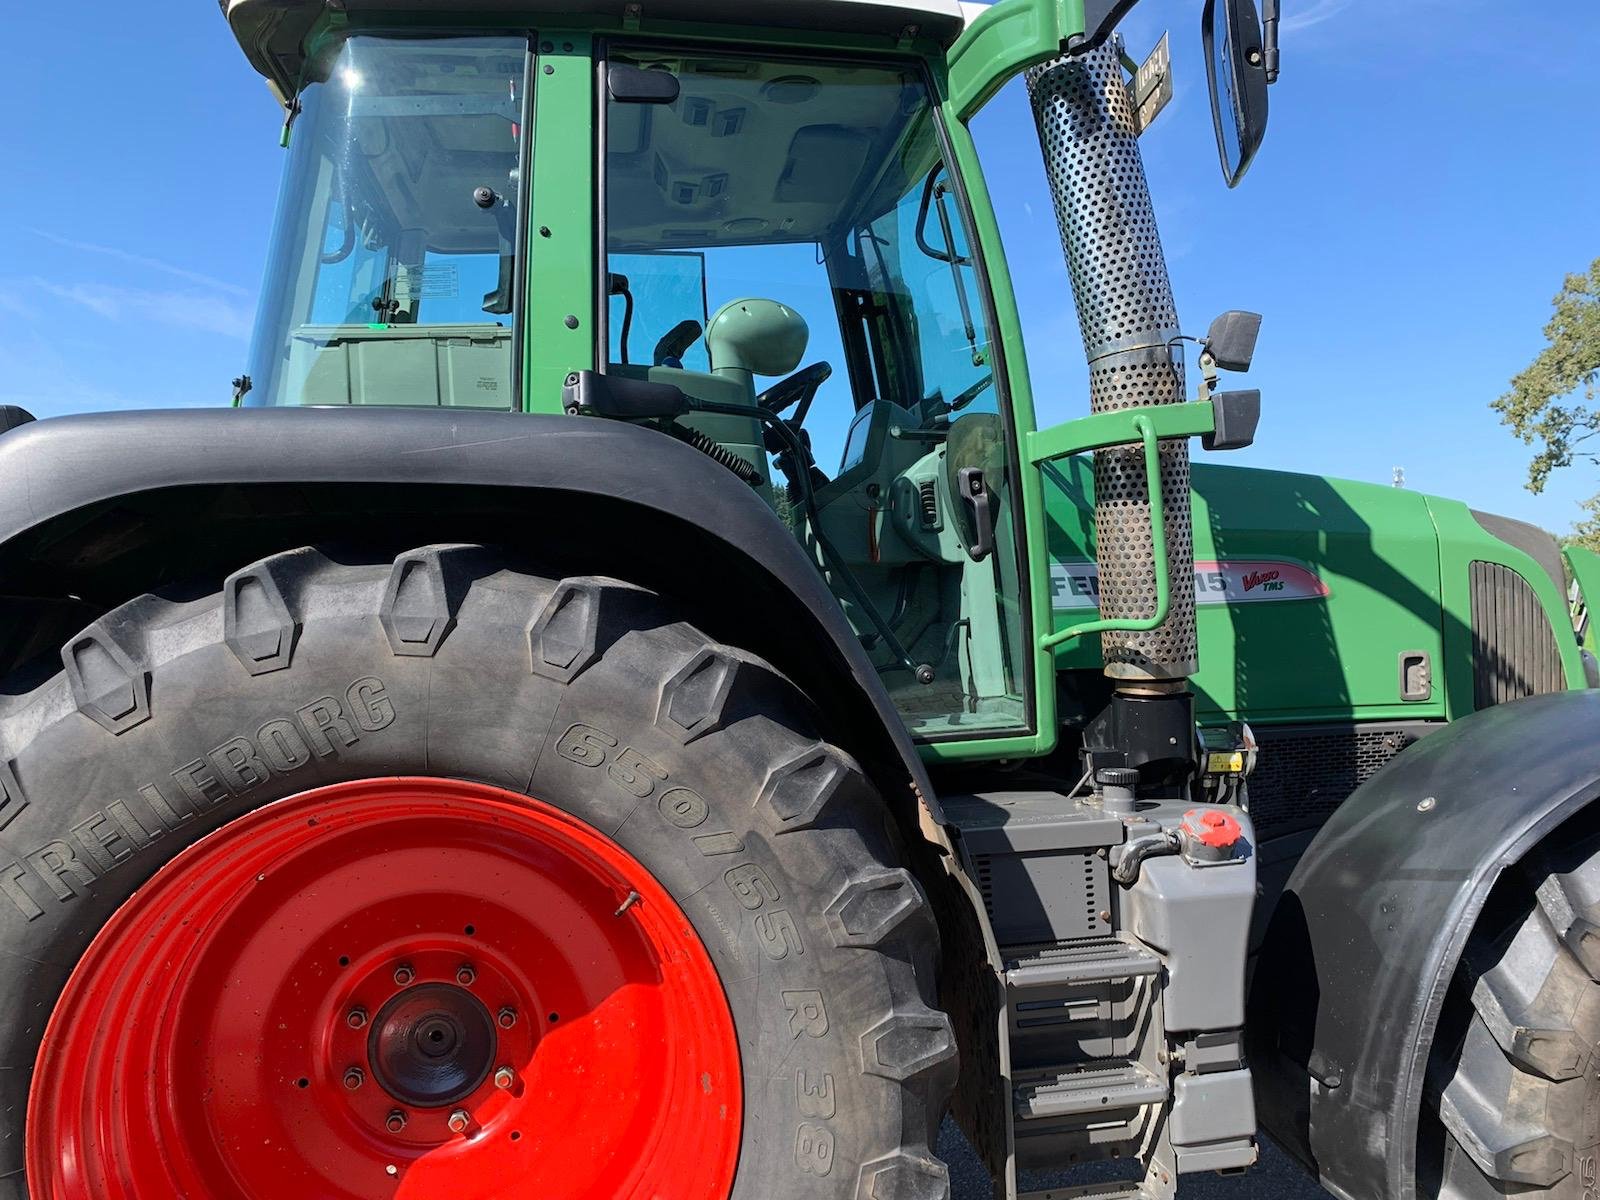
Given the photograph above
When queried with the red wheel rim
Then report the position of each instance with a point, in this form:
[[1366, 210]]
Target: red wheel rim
[[204, 1045]]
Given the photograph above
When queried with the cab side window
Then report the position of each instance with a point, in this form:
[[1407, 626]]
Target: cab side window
[[391, 278]]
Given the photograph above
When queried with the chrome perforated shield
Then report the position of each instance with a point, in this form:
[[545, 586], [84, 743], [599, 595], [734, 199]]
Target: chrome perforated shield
[[1128, 320]]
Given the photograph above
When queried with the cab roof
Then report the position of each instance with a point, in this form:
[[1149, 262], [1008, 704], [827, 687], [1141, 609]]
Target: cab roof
[[272, 32]]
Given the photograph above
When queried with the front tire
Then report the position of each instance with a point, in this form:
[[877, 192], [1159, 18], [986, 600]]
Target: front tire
[[172, 721], [1514, 1085]]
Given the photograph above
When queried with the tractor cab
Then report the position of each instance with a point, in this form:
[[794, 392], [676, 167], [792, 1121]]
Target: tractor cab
[[774, 227], [780, 237]]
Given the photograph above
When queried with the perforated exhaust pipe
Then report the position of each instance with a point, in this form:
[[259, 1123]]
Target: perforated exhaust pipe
[[1128, 319]]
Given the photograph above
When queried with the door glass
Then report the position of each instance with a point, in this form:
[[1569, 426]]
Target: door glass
[[390, 279], [653, 295], [784, 238]]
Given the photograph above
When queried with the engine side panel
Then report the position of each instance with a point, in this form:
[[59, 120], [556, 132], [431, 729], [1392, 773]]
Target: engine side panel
[[1391, 606], [1341, 579]]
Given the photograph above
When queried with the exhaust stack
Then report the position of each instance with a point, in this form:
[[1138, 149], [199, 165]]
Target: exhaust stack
[[1128, 320]]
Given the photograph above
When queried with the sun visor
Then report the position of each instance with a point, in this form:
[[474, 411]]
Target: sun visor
[[824, 163]]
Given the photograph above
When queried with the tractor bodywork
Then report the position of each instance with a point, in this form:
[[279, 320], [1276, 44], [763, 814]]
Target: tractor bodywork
[[535, 259]]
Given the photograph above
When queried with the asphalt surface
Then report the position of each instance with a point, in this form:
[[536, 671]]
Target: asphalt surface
[[1275, 1177]]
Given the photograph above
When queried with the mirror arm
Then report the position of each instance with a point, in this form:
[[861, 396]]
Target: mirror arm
[[1208, 375], [1100, 18], [1269, 42]]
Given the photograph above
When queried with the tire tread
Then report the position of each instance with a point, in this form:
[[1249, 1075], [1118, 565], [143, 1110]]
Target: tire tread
[[1514, 1093]]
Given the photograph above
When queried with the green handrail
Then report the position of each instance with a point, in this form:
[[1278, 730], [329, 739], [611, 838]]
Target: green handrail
[[1191, 419], [1146, 429]]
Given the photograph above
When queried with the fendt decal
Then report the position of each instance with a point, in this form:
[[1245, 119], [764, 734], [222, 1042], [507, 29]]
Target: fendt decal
[[1076, 585], [107, 838]]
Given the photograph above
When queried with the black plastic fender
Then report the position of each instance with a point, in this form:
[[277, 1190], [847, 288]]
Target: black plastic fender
[[1347, 990], [52, 469]]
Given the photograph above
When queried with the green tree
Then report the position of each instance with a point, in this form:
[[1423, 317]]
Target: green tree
[[1586, 533], [1552, 403]]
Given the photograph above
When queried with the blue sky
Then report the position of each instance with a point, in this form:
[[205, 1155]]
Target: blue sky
[[1427, 181]]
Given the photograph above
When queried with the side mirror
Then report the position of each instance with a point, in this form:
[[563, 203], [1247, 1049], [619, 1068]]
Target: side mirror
[[1236, 68]]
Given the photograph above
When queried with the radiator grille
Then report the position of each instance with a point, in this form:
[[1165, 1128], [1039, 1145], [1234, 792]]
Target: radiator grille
[[1514, 652], [1304, 775]]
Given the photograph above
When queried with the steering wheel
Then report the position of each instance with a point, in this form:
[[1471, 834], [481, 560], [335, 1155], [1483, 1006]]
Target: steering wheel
[[799, 388]]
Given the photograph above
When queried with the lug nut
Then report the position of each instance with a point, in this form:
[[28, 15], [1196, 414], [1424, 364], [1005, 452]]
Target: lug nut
[[354, 1078], [507, 1017], [465, 975], [458, 1120], [356, 1018], [504, 1077], [395, 1121], [403, 974]]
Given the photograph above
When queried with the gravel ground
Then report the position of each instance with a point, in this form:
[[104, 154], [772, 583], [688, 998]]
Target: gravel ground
[[1275, 1177]]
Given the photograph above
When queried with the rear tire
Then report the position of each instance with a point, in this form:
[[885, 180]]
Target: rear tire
[[1514, 1086], [588, 694]]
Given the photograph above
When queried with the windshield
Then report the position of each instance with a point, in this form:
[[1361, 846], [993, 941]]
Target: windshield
[[391, 277]]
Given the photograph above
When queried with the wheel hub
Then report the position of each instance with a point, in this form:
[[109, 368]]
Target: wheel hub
[[392, 988], [432, 1044]]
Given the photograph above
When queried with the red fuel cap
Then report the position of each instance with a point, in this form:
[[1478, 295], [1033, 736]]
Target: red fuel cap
[[1212, 827]]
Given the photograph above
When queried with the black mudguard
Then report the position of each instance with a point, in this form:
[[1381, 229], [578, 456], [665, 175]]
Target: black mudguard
[[1346, 992], [53, 469]]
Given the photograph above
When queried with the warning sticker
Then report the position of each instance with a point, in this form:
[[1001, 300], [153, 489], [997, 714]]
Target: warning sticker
[[1076, 585], [436, 281]]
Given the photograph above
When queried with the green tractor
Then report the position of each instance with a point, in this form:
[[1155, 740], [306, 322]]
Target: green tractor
[[628, 705]]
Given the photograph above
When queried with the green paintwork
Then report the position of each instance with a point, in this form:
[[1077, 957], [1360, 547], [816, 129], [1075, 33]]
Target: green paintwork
[[1120, 427], [1461, 542], [1317, 659], [1004, 39], [559, 330], [1396, 566], [1311, 659], [1584, 566]]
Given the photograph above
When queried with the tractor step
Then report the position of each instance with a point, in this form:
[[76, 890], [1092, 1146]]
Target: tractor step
[[1094, 1087], [1090, 1191], [1051, 964]]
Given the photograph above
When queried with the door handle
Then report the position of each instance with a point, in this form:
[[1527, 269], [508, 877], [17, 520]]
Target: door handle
[[979, 503]]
